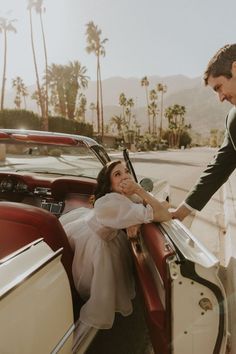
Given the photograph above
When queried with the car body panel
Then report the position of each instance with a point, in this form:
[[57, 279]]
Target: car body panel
[[33, 286]]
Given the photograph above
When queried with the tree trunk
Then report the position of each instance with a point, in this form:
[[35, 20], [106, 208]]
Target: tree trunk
[[25, 102], [4, 70], [61, 101], [98, 97], [101, 102], [148, 115], [71, 95], [45, 121], [36, 69], [161, 115]]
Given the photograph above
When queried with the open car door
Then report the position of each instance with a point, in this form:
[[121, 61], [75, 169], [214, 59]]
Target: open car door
[[184, 299]]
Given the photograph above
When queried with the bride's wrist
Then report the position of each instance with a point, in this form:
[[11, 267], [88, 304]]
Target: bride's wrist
[[138, 189]]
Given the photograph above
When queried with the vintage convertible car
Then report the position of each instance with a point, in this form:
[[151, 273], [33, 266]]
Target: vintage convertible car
[[42, 176]]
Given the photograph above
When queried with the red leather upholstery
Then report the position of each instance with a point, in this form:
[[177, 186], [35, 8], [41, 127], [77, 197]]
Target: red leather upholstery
[[158, 316], [21, 223]]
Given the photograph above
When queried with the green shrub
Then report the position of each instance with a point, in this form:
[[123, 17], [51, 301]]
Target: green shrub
[[23, 119], [19, 119]]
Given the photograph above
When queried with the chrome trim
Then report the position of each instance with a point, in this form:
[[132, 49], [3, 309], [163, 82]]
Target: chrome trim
[[42, 191], [190, 247], [80, 342], [63, 340], [20, 250], [80, 138], [26, 276], [84, 339]]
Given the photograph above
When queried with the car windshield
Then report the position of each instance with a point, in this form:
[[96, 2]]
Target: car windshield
[[49, 159]]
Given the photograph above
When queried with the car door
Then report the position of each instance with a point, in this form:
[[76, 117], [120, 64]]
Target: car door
[[184, 299]]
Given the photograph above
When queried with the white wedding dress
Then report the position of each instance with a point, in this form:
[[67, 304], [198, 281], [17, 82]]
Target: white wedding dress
[[102, 264]]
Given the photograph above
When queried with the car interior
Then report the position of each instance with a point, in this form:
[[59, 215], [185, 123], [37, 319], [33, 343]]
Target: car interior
[[29, 209]]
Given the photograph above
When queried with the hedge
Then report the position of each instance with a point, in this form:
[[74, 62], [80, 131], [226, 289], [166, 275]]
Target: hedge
[[23, 119]]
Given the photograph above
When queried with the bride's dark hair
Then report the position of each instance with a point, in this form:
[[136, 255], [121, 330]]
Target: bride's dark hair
[[104, 179]]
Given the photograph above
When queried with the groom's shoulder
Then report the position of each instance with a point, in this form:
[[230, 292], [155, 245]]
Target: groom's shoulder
[[231, 120]]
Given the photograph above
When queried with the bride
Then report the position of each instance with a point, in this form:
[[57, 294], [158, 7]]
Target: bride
[[102, 264]]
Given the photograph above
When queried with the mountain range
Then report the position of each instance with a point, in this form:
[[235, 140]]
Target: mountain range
[[203, 109]]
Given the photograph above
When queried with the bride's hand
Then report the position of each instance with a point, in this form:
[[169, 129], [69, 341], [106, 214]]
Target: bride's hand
[[129, 186], [132, 231]]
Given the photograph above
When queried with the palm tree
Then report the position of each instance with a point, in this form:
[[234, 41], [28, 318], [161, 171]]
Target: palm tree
[[118, 122], [21, 91], [31, 4], [5, 26], [145, 83], [35, 96], [55, 77], [180, 113], [96, 46], [75, 80], [81, 110], [92, 107], [122, 103], [176, 121], [162, 89], [129, 105], [24, 93], [171, 125], [65, 81], [153, 109], [38, 8]]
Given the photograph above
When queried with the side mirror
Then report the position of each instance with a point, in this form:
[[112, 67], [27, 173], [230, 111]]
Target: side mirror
[[147, 184]]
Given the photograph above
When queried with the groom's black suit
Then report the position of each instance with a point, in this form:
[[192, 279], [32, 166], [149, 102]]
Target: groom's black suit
[[218, 171]]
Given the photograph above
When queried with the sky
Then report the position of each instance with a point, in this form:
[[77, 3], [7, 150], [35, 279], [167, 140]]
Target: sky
[[145, 37]]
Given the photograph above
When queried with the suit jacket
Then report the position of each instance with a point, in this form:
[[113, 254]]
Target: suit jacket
[[217, 171]]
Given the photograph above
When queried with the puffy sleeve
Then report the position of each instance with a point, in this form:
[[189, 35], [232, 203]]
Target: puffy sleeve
[[73, 215], [117, 211]]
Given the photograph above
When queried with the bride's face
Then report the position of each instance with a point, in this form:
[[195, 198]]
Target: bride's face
[[118, 174]]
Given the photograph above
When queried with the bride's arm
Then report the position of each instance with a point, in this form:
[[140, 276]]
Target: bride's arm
[[160, 211]]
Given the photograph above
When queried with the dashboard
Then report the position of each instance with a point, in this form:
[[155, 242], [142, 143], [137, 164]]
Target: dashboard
[[57, 195], [10, 184]]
